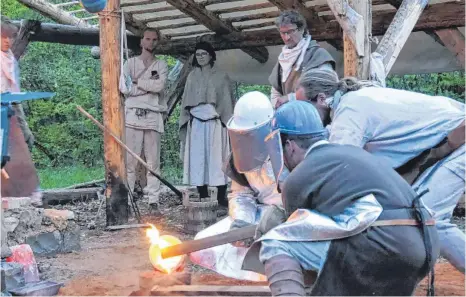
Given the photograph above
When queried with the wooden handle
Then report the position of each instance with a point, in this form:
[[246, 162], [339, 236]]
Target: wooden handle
[[208, 242], [105, 129]]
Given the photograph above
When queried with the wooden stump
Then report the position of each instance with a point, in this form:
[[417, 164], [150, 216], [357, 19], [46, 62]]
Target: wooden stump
[[200, 213]]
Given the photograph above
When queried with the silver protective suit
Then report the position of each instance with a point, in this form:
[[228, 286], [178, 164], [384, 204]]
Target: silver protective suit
[[249, 203]]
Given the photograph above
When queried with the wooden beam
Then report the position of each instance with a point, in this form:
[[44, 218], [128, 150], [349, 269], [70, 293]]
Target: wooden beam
[[454, 40], [68, 195], [401, 27], [116, 192], [251, 17], [308, 13], [176, 90], [27, 28], [55, 13], [356, 63], [212, 22], [66, 34]]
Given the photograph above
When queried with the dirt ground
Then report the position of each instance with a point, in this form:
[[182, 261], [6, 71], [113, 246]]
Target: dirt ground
[[110, 262]]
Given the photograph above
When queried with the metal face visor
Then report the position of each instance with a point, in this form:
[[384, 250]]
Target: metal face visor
[[248, 148], [275, 150]]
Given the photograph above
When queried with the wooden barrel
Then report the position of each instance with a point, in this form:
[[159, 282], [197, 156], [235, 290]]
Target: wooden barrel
[[200, 213]]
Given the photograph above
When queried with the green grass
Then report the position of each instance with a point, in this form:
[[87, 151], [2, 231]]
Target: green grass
[[51, 178]]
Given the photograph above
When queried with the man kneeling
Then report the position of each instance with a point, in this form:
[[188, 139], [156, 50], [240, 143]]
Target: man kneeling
[[360, 225]]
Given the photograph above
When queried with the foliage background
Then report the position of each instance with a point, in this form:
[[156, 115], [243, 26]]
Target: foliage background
[[76, 144]]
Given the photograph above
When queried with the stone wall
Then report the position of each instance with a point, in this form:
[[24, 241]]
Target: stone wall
[[47, 231]]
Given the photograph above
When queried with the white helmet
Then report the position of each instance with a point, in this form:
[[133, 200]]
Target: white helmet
[[250, 124], [251, 110]]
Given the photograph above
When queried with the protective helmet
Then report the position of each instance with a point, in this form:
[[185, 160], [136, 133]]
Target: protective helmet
[[292, 118], [298, 118], [251, 110], [250, 124]]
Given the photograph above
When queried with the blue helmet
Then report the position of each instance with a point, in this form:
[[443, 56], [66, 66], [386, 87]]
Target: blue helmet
[[298, 118]]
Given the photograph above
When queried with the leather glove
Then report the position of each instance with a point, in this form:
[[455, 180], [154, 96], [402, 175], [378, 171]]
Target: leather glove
[[273, 216], [237, 224]]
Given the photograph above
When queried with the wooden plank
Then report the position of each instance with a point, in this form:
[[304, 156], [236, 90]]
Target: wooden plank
[[357, 64], [401, 27], [212, 22], [454, 40], [436, 16], [250, 17], [86, 184], [308, 13], [130, 226], [69, 195], [219, 11], [113, 115], [206, 290]]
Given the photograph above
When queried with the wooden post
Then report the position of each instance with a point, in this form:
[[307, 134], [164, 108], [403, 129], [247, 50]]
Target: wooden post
[[355, 64], [116, 192], [401, 27]]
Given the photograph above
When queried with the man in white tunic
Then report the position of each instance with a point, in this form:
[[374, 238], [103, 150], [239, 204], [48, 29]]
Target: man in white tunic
[[144, 107], [206, 107], [421, 136]]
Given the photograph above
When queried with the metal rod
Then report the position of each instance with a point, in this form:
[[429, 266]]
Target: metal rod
[[105, 129], [208, 242]]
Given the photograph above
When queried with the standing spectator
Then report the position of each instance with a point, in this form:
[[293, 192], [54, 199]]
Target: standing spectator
[[206, 107], [144, 106], [300, 52]]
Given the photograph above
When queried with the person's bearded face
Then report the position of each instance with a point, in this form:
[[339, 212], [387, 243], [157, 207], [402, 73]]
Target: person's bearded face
[[149, 41]]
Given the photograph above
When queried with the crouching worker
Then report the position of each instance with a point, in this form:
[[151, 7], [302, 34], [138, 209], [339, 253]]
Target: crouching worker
[[253, 186], [354, 220]]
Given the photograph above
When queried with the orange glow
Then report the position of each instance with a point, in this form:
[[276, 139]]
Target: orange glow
[[159, 242]]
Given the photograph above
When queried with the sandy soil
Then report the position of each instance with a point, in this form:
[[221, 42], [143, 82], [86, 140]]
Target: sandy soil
[[109, 263]]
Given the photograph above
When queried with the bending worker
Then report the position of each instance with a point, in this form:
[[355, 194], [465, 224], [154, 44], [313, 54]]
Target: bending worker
[[422, 137], [253, 186], [356, 222]]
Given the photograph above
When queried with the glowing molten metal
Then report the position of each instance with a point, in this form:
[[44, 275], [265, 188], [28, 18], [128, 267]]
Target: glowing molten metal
[[159, 242]]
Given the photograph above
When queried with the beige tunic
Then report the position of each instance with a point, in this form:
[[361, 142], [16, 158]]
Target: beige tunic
[[146, 94]]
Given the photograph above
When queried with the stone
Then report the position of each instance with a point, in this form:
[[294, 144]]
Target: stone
[[71, 239], [10, 224], [46, 244], [59, 218], [12, 275], [15, 202]]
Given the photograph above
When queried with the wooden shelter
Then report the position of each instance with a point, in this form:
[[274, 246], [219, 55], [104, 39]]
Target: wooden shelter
[[360, 34]]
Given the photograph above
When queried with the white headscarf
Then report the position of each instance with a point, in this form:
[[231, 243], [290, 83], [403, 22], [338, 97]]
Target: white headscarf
[[288, 56]]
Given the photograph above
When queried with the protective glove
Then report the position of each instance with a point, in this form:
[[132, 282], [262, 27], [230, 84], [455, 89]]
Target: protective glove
[[237, 224], [273, 216]]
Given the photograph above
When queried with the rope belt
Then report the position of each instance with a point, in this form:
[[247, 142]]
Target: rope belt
[[402, 222]]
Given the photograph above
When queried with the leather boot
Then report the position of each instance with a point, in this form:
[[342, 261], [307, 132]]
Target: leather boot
[[285, 276]]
